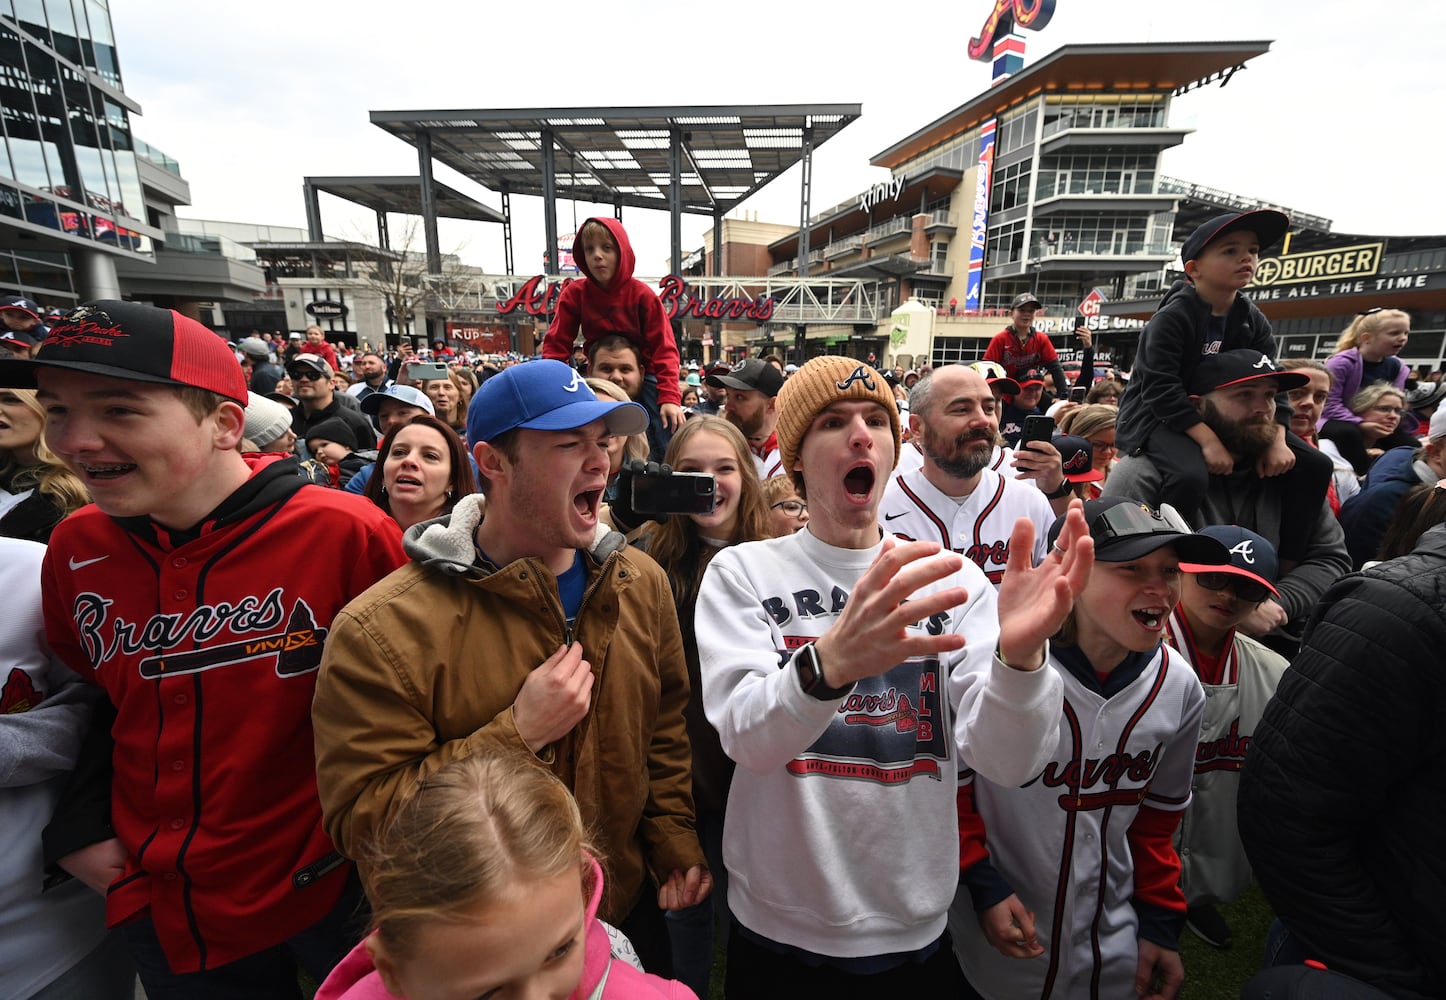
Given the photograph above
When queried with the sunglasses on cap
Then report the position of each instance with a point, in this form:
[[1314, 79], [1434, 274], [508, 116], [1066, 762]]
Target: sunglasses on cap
[[1377, 309], [793, 508], [1128, 520], [308, 375], [1248, 590]]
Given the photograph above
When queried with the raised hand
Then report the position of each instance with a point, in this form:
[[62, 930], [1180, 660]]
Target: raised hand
[[870, 636], [1034, 600]]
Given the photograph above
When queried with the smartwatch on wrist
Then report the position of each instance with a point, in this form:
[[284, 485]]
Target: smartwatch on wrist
[[810, 676], [1064, 487]]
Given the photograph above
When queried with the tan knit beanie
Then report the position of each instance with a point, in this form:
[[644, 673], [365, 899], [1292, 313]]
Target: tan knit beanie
[[822, 381]]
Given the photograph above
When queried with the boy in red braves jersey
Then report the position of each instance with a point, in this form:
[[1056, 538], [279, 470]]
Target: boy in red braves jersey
[[1019, 347], [1240, 676], [174, 594]]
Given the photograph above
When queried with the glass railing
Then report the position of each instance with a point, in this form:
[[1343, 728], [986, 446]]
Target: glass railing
[[1050, 186], [1214, 196], [160, 159]]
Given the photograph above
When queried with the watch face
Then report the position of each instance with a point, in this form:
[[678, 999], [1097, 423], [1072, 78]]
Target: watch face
[[807, 662]]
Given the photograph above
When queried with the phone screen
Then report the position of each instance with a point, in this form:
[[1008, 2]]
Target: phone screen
[[1077, 394]]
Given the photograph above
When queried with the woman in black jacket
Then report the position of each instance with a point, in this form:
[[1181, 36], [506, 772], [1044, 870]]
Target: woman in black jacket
[[1342, 805]]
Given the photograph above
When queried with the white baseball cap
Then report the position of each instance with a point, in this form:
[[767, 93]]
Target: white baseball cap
[[1438, 424]]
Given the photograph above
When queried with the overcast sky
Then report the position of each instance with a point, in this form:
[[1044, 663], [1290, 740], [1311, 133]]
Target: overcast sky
[[1342, 118]]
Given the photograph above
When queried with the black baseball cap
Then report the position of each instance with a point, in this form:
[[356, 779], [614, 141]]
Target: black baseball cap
[[135, 342], [1077, 458], [750, 374], [1125, 529], [1251, 555], [1032, 377], [1216, 371], [1268, 225], [1026, 299]]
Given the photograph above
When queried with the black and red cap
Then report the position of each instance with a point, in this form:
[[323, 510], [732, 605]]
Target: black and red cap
[[1032, 377], [1077, 458], [1219, 371], [15, 340], [135, 342], [1268, 225]]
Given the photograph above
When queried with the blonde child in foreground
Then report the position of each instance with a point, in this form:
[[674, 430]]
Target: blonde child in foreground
[[483, 886]]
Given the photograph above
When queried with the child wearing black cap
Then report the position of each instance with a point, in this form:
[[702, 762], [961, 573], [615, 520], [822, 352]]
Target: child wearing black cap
[[1239, 675], [1202, 315]]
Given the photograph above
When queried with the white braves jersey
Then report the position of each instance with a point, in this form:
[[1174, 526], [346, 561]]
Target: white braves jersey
[[1059, 840], [1214, 868], [769, 465], [978, 528]]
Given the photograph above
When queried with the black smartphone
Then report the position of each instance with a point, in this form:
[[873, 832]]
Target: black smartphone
[[1036, 428], [422, 371], [675, 493], [1078, 394]]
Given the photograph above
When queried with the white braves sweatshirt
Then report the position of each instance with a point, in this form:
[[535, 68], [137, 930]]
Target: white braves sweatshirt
[[841, 834]]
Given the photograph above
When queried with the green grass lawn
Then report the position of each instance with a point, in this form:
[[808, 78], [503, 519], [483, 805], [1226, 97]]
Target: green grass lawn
[[1218, 975]]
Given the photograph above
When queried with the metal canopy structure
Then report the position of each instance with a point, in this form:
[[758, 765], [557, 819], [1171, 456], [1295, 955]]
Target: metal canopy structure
[[699, 160], [402, 195]]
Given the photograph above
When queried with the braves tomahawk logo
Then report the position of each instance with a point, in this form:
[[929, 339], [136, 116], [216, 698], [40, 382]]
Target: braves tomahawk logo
[[295, 640], [19, 694]]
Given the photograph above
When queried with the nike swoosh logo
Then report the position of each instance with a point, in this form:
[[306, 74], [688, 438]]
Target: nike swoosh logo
[[887, 517], [85, 562]]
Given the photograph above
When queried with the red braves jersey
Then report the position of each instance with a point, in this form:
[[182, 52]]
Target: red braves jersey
[[978, 528], [1017, 358], [209, 647]]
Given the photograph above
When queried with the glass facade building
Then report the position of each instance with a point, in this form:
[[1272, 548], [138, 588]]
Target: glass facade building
[[71, 197]]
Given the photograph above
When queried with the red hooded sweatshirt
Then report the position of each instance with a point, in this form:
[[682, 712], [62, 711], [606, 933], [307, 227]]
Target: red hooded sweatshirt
[[625, 306]]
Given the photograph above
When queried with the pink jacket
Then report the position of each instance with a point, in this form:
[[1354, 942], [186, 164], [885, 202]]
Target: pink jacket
[[355, 978]]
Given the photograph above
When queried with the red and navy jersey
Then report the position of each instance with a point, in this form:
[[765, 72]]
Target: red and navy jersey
[[208, 643], [1017, 357]]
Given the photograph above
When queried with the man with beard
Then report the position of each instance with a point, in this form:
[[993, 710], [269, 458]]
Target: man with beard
[[752, 385], [955, 498], [1234, 393]]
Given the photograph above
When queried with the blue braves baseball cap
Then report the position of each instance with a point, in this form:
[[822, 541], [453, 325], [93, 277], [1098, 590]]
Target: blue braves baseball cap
[[545, 396], [1251, 555]]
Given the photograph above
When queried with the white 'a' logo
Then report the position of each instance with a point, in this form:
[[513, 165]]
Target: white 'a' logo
[[576, 383], [1245, 550], [1265, 363]]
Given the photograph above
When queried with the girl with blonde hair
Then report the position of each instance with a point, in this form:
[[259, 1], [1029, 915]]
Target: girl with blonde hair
[[684, 545], [485, 885], [37, 491], [1365, 354]]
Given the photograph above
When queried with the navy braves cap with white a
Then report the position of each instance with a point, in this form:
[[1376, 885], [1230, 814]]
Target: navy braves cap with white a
[[1216, 371], [371, 403], [1251, 555], [21, 304], [545, 396], [135, 342]]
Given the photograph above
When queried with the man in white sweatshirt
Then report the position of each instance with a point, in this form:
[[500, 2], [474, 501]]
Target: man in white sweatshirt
[[852, 676]]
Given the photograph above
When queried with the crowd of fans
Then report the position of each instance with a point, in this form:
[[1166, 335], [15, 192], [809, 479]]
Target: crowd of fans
[[375, 666]]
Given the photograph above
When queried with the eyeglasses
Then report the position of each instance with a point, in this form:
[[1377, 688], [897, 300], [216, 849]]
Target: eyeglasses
[[1248, 590], [1127, 520], [1388, 410], [793, 508], [1102, 445], [308, 375]]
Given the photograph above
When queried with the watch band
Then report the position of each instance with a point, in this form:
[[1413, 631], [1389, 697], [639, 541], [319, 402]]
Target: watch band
[[810, 676], [1064, 487]]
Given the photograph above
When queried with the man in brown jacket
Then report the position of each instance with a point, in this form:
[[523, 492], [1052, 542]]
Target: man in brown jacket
[[523, 625]]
